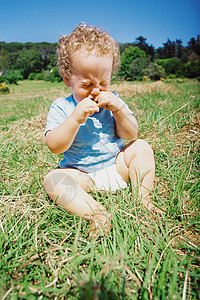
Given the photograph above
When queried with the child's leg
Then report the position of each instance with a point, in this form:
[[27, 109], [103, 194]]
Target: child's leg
[[136, 160], [68, 188]]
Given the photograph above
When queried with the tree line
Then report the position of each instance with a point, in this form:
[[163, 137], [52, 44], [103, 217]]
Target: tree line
[[139, 60]]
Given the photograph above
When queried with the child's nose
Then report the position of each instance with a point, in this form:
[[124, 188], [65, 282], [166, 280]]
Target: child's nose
[[95, 92]]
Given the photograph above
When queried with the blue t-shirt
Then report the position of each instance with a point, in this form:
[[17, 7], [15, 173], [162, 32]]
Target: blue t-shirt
[[96, 144]]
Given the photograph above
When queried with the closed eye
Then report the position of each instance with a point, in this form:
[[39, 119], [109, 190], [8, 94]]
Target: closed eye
[[86, 85]]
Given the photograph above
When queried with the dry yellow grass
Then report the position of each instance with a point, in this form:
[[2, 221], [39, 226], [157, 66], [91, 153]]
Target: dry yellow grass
[[129, 89]]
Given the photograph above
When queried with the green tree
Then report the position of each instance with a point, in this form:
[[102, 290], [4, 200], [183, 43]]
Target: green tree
[[143, 45], [154, 71], [2, 78], [169, 49], [171, 65], [123, 47], [29, 61], [189, 70], [52, 59], [128, 66], [13, 77], [172, 49], [136, 68], [194, 45], [55, 75], [32, 76], [5, 61], [178, 48]]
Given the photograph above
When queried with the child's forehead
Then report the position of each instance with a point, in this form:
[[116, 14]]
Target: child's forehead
[[90, 65], [85, 52]]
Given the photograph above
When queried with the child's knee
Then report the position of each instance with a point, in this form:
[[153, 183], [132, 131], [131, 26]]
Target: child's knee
[[141, 147], [57, 178], [122, 168], [138, 150], [60, 186], [47, 181]]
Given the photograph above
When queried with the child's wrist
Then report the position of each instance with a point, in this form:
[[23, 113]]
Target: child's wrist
[[75, 120], [117, 110]]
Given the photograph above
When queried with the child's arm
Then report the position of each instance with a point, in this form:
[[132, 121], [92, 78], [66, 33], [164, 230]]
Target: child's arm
[[61, 137], [126, 123]]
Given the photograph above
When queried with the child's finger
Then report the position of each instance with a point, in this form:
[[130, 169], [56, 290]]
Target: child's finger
[[101, 100], [95, 99]]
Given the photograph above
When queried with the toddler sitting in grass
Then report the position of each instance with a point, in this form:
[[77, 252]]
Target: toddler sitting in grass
[[90, 127]]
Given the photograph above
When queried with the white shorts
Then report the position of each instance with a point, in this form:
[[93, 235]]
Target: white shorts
[[108, 179]]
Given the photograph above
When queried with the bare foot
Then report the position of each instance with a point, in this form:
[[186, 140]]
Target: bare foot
[[147, 202], [99, 224]]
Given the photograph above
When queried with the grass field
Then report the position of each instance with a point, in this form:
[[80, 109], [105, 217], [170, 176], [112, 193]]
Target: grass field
[[45, 252]]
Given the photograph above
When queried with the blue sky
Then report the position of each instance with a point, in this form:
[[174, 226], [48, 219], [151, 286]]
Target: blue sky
[[125, 20]]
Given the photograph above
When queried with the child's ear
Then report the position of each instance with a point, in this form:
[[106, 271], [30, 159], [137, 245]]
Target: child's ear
[[66, 80]]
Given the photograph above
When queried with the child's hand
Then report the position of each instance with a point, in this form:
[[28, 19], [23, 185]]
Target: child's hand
[[109, 101], [84, 109]]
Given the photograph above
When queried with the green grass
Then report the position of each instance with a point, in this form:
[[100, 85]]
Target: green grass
[[28, 99], [44, 250]]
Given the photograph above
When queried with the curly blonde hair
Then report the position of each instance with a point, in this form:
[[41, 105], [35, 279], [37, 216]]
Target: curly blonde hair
[[89, 37]]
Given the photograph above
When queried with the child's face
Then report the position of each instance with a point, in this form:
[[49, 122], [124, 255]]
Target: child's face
[[90, 74]]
